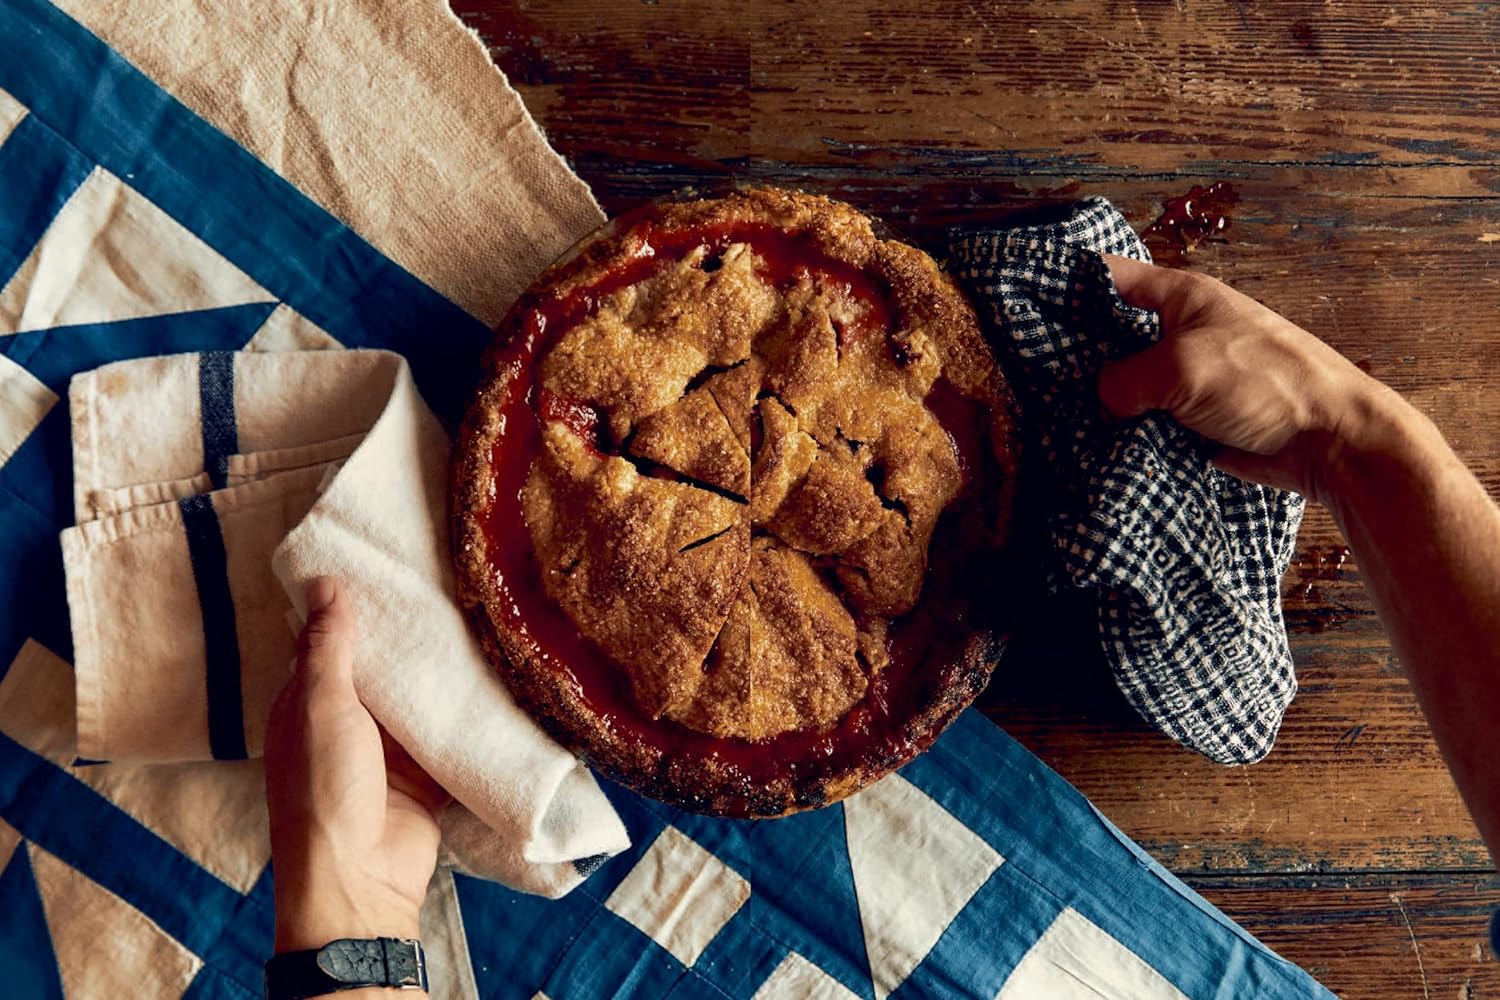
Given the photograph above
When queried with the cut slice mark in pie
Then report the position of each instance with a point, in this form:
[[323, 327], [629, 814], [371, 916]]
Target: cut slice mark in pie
[[647, 567], [693, 438], [787, 657]]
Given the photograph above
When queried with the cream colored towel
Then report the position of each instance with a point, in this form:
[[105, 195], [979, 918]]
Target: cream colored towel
[[190, 471]]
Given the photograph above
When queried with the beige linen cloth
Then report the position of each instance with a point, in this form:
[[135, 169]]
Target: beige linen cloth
[[388, 113], [180, 592]]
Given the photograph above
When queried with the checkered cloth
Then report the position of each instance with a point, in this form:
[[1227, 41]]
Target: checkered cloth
[[1186, 561]]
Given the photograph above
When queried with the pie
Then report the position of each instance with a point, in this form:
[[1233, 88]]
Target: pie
[[730, 503]]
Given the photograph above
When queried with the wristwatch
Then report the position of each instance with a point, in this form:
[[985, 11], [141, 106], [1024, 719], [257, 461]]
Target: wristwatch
[[347, 964]]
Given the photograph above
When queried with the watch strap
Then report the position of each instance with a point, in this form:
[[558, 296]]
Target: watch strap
[[347, 964]]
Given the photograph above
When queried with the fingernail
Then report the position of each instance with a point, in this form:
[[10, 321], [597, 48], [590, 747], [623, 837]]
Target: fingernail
[[321, 590]]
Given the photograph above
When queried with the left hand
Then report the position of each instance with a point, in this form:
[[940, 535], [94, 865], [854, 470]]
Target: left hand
[[354, 833]]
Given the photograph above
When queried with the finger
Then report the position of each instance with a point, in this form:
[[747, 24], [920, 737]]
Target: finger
[[325, 649], [1268, 470], [405, 775], [1141, 382], [1142, 285]]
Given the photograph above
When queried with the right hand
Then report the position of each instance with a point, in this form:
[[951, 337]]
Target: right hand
[[1280, 401]]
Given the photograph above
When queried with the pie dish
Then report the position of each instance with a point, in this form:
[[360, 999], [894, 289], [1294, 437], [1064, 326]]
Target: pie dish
[[730, 502]]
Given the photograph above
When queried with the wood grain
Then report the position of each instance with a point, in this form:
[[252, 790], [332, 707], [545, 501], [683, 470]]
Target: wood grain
[[1374, 935], [1363, 141]]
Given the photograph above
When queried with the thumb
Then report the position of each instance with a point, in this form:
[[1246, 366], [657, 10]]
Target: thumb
[[325, 649], [1143, 285], [1141, 382]]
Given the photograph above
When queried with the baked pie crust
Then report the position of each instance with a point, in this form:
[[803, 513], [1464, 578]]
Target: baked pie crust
[[729, 503]]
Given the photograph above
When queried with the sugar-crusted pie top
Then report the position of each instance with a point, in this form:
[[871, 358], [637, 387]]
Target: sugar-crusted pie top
[[750, 415]]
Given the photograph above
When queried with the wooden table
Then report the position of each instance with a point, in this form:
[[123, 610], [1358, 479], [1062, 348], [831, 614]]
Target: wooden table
[[1361, 141]]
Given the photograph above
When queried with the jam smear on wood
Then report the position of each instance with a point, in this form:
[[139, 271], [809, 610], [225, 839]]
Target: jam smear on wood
[[1190, 219]]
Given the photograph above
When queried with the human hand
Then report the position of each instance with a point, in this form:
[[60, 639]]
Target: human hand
[[1280, 401], [354, 834]]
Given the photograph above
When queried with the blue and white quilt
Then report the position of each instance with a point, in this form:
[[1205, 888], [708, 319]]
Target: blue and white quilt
[[130, 227]]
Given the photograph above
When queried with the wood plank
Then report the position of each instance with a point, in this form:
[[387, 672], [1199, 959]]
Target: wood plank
[[1374, 935], [1071, 86], [1386, 251], [1320, 802]]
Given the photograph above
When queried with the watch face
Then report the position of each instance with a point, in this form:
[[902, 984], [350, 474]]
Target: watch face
[[729, 503]]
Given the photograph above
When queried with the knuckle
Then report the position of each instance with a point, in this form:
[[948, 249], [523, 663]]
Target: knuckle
[[1188, 372], [1181, 357], [311, 637], [309, 710], [286, 707], [1201, 284], [322, 630], [1202, 292]]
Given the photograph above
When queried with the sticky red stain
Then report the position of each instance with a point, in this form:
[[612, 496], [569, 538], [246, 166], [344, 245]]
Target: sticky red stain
[[1191, 219]]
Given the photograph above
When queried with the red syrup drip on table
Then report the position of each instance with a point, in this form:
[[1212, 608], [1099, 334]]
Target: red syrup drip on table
[[873, 731], [1188, 220]]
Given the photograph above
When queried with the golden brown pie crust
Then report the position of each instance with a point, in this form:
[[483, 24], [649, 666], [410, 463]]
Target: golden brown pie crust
[[729, 499]]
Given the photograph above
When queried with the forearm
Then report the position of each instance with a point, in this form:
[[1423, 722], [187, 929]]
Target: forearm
[[1292, 412], [1427, 540]]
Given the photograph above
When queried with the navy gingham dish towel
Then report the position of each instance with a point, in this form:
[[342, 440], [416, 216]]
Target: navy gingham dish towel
[[1185, 561]]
